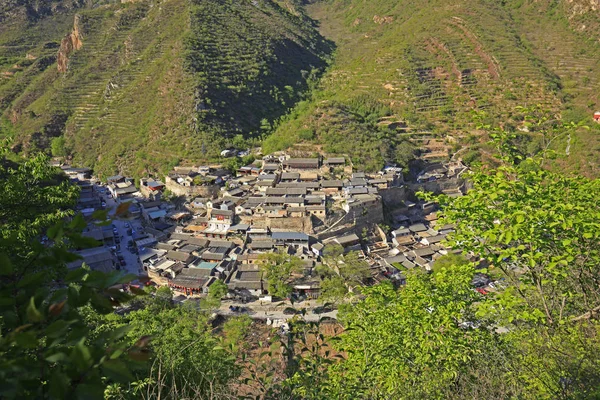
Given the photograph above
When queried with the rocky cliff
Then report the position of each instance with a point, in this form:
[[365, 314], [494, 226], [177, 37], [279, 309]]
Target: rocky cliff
[[71, 42]]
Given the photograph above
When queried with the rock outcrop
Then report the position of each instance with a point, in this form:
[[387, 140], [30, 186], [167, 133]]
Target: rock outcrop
[[71, 42]]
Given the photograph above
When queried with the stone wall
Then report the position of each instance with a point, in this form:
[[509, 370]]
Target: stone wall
[[209, 191]]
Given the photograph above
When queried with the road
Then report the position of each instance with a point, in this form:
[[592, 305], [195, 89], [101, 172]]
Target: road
[[273, 311], [132, 260]]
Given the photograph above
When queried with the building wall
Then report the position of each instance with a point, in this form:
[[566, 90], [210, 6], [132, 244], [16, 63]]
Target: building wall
[[296, 224], [199, 191]]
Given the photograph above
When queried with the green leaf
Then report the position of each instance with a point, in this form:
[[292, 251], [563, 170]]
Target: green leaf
[[33, 314], [26, 339], [80, 355], [56, 357], [78, 223], [117, 370], [59, 385], [6, 267], [75, 275], [35, 279]]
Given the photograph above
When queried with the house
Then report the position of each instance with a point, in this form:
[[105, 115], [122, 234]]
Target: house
[[433, 240], [290, 239], [180, 256], [286, 191], [192, 281], [97, 258], [347, 241], [416, 228], [223, 216], [149, 186], [317, 248], [115, 179], [307, 185], [401, 232], [122, 190], [597, 116], [333, 185], [424, 252], [262, 245], [307, 288], [319, 211], [301, 163], [403, 240], [290, 176], [270, 168], [245, 281], [333, 162]]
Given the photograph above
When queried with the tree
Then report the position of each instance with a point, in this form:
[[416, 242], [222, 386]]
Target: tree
[[278, 269], [448, 261], [333, 289], [33, 198], [216, 292], [404, 153], [186, 360], [46, 347], [412, 342], [57, 146], [539, 231]]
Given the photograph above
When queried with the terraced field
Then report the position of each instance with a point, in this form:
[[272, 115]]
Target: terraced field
[[432, 65], [150, 84], [155, 83]]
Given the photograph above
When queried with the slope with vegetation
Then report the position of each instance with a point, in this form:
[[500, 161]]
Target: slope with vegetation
[[137, 87], [422, 69]]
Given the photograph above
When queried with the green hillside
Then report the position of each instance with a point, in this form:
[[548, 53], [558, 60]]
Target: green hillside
[[150, 84], [154, 83], [420, 69]]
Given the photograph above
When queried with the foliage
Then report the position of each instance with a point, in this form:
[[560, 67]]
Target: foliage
[[541, 230], [216, 292], [47, 349], [403, 343], [235, 330], [186, 360], [34, 198], [278, 269], [58, 147], [448, 261]]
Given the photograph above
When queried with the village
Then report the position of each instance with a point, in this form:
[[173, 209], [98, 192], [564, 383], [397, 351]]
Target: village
[[204, 224]]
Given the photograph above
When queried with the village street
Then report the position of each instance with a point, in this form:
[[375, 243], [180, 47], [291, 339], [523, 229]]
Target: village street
[[263, 311], [132, 260]]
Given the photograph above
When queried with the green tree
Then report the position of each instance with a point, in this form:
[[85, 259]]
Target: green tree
[[216, 292], [410, 343], [278, 269], [47, 349], [58, 147], [448, 261], [539, 231]]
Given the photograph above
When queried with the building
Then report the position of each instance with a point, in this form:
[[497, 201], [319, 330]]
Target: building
[[290, 239], [597, 116], [301, 163], [192, 281], [98, 259]]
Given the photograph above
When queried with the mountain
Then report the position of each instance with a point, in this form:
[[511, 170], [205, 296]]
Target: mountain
[[421, 69], [139, 86], [136, 87]]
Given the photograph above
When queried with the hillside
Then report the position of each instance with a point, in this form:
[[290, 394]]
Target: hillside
[[138, 87], [421, 69]]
